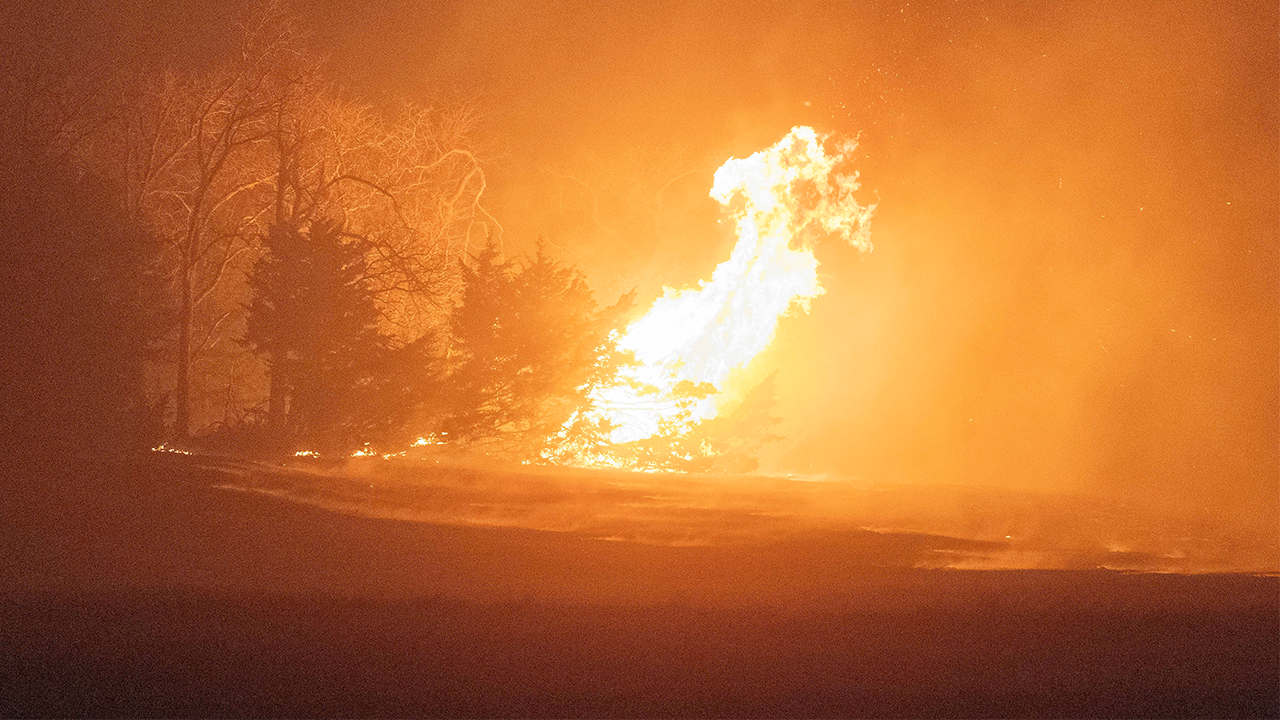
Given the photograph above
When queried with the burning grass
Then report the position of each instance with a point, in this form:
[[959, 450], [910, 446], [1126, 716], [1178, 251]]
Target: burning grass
[[948, 527]]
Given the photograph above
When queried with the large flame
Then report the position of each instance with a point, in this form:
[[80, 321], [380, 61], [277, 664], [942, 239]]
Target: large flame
[[791, 195]]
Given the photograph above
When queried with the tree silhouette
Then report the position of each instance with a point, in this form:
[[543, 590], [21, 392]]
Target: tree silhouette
[[529, 344], [314, 319], [210, 158], [77, 306]]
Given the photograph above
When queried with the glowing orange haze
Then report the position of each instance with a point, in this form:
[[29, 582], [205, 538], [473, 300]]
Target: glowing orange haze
[[792, 194]]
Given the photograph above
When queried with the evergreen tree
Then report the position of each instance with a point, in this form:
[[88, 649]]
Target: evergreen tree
[[315, 319], [529, 344], [480, 358]]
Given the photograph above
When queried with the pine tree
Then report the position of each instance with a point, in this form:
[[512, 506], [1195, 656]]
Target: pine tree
[[480, 359], [529, 344], [315, 319]]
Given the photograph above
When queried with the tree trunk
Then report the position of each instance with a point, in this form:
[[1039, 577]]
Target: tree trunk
[[278, 405], [182, 392]]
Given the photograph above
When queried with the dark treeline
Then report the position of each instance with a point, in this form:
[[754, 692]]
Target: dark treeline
[[79, 318], [245, 257]]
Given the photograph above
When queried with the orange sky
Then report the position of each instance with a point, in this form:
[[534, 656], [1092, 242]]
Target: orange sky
[[1074, 283]]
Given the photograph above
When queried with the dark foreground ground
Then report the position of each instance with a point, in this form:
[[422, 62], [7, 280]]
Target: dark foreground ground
[[140, 589]]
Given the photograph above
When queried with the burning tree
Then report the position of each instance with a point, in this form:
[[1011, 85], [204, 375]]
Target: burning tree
[[726, 443], [525, 377], [529, 346], [693, 345]]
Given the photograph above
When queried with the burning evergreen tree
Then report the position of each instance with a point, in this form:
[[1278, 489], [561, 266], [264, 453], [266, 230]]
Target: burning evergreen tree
[[529, 346]]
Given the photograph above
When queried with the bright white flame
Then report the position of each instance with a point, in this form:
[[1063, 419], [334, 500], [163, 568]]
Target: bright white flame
[[792, 194]]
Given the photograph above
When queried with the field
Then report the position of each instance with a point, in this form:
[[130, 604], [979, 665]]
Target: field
[[172, 585]]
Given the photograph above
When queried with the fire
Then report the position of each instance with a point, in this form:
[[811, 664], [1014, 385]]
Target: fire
[[690, 343], [792, 194]]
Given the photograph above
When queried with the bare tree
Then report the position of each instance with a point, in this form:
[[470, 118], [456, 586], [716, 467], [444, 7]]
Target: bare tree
[[211, 160], [188, 148], [410, 184]]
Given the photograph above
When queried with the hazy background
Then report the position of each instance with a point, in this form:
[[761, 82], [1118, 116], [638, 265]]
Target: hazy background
[[1074, 284]]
